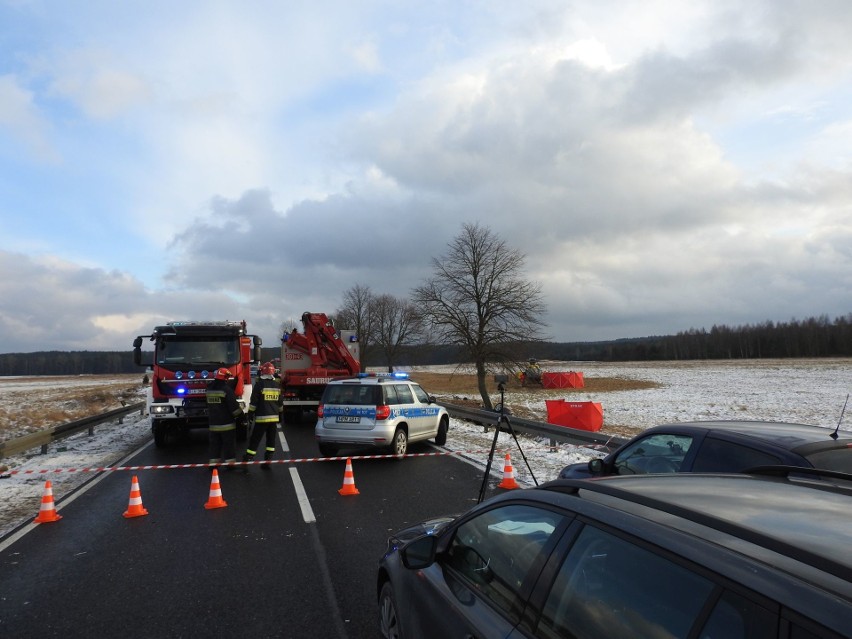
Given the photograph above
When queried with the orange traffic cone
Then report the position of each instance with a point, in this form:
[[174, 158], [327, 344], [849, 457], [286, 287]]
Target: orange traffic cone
[[508, 475], [134, 506], [47, 511], [215, 500], [349, 480]]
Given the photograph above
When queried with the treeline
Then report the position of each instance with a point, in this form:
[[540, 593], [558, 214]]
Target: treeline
[[813, 337], [68, 363]]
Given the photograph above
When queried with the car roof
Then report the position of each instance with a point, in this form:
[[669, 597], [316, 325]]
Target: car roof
[[799, 519], [784, 434]]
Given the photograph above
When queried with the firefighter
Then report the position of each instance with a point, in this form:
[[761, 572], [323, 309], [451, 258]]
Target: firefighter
[[223, 411], [265, 405]]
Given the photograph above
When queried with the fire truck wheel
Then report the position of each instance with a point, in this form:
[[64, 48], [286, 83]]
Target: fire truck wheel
[[159, 430], [443, 427]]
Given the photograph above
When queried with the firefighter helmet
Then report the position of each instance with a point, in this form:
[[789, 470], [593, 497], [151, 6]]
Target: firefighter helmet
[[267, 369], [223, 373]]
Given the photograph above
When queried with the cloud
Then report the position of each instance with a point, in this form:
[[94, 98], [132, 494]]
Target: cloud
[[661, 166], [99, 85], [53, 304], [20, 119]]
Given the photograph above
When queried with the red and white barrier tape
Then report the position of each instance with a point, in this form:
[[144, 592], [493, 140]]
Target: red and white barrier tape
[[100, 469]]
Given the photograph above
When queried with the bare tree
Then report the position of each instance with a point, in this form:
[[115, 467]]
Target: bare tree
[[356, 313], [478, 299], [396, 323]]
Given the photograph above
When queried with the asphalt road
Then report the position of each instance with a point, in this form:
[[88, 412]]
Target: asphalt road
[[264, 566]]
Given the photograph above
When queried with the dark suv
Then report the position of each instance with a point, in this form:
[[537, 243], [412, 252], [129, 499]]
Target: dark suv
[[682, 555], [722, 447]]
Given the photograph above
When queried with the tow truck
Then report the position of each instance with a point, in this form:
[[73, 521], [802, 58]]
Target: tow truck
[[311, 359]]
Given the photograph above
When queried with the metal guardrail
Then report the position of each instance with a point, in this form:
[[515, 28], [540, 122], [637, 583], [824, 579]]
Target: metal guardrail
[[44, 437], [486, 418], [553, 431]]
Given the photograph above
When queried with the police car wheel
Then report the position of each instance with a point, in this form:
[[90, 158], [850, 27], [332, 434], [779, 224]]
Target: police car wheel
[[400, 442], [443, 427]]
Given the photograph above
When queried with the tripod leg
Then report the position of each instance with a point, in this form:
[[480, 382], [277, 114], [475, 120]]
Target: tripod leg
[[488, 465], [518, 444]]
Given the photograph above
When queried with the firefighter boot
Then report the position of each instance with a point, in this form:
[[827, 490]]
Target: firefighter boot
[[247, 458], [267, 457]]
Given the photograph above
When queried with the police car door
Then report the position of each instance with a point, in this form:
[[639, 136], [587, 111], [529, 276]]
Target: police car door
[[405, 410], [427, 424]]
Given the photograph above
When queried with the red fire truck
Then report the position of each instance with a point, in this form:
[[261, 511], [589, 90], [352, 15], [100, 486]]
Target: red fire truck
[[186, 356]]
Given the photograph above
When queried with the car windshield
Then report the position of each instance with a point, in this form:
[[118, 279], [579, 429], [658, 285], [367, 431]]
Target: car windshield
[[197, 350], [351, 394]]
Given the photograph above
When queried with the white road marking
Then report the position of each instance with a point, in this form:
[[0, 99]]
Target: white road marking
[[301, 495]]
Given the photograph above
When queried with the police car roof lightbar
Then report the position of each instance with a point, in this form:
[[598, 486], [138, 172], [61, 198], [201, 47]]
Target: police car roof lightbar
[[394, 375]]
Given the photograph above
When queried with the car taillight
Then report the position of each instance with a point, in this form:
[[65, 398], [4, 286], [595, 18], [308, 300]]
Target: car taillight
[[319, 411], [382, 412]]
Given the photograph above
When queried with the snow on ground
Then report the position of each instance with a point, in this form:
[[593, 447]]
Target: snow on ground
[[806, 391]]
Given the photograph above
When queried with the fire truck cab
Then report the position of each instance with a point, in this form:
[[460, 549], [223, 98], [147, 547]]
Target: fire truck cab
[[185, 358]]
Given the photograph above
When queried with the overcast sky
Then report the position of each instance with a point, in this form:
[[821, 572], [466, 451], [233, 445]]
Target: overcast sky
[[663, 165]]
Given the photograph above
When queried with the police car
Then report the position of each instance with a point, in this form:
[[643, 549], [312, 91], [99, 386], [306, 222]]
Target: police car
[[382, 410]]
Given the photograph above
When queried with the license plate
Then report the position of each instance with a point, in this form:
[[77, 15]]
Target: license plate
[[348, 419]]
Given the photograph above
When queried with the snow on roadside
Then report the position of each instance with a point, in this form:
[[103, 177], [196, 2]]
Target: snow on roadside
[[20, 493]]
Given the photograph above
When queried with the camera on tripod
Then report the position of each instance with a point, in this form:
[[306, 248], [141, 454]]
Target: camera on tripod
[[501, 381]]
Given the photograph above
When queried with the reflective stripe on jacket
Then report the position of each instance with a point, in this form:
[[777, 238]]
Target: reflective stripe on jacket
[[265, 400], [222, 406]]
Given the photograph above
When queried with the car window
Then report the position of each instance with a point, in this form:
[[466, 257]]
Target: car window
[[404, 395], [421, 394], [839, 459], [339, 394], [719, 456], [798, 632], [390, 395], [610, 587], [350, 394], [494, 551], [735, 617], [658, 453]]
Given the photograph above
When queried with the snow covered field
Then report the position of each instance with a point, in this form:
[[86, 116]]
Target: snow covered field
[[807, 391]]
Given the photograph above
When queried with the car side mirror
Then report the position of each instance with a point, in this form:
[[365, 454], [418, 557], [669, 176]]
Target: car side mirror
[[419, 553], [596, 466]]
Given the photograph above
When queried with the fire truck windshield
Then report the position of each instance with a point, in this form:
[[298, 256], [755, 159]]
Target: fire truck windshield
[[197, 351]]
